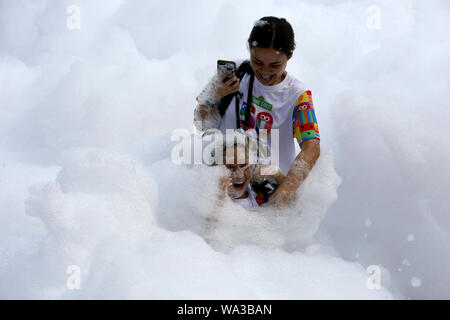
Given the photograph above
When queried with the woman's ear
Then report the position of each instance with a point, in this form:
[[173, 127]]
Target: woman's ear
[[290, 55]]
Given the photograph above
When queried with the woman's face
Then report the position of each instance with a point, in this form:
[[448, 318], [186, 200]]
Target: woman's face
[[268, 64]]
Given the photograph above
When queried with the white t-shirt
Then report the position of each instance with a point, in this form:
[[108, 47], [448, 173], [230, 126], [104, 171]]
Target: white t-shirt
[[286, 106], [250, 201]]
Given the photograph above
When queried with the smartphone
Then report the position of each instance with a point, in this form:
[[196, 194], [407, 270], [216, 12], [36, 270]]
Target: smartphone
[[224, 66]]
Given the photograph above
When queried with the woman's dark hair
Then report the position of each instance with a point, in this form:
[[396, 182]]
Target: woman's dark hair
[[273, 32]]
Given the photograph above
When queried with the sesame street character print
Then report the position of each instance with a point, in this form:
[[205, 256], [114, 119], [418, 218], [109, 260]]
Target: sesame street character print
[[264, 120], [242, 116], [304, 121]]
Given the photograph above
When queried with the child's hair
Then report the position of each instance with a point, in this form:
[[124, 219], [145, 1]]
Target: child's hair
[[273, 32], [229, 141]]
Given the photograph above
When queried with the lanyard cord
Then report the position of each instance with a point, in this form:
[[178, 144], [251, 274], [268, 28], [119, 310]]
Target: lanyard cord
[[249, 100], [249, 104], [238, 119]]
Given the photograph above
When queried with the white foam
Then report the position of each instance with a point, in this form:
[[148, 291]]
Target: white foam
[[260, 23], [85, 121]]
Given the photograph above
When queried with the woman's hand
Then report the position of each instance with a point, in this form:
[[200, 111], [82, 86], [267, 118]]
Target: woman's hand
[[300, 169], [280, 197], [225, 88]]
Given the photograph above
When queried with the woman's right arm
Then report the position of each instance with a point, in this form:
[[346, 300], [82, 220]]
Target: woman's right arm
[[206, 113], [206, 117]]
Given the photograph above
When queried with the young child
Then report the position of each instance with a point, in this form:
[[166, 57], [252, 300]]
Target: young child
[[249, 185]]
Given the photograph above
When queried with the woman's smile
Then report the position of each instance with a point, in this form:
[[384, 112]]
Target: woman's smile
[[265, 79], [269, 67]]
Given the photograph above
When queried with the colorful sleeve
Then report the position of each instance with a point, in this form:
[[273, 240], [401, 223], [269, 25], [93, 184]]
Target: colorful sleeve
[[304, 121]]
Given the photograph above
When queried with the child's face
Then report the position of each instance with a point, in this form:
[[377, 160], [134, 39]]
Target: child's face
[[240, 172]]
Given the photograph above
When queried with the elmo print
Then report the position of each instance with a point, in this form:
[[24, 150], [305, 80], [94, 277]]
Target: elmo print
[[264, 120]]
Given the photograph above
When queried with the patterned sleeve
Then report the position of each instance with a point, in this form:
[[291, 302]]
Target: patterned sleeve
[[304, 121]]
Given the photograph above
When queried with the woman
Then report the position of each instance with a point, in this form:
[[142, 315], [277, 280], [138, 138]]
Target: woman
[[279, 101]]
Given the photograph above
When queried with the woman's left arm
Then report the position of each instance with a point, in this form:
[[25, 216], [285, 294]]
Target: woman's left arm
[[306, 131], [300, 169]]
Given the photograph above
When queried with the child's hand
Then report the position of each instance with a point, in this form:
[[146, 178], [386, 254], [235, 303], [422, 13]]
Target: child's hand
[[224, 183]]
